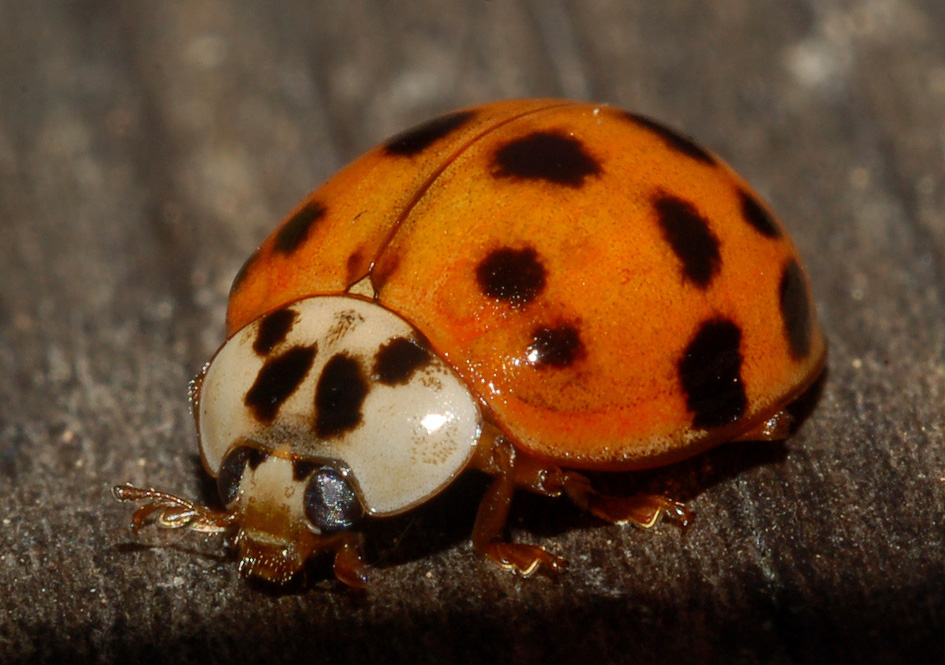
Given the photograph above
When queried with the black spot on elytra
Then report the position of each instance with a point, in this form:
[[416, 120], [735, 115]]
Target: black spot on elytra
[[515, 276], [339, 396], [557, 347], [690, 237], [294, 232], [710, 372], [551, 156], [232, 468], [796, 310], [417, 139], [273, 330], [243, 272], [758, 216], [302, 469], [277, 380], [385, 267], [397, 360], [355, 266], [674, 140]]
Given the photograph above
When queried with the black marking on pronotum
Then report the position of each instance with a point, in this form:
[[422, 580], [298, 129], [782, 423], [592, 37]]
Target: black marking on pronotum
[[710, 373], [397, 360], [256, 457], [273, 329], [690, 237], [294, 231], [302, 469], [515, 276], [796, 310], [552, 156], [674, 140], [417, 139], [758, 216], [277, 380], [339, 396], [345, 321], [557, 347], [232, 468]]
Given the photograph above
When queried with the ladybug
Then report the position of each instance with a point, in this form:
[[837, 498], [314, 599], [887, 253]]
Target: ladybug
[[528, 288]]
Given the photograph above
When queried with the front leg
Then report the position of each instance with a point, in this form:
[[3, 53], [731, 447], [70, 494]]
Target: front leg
[[348, 564]]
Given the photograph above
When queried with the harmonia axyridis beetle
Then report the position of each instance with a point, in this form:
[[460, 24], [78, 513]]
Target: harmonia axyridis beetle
[[525, 288]]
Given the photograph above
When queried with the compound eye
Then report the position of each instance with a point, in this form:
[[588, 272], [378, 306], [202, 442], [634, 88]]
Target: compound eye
[[231, 471], [330, 503]]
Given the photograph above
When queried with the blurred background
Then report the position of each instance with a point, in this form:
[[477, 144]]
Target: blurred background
[[147, 148]]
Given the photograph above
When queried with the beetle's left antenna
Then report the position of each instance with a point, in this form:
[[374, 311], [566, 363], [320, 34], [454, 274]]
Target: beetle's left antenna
[[174, 512]]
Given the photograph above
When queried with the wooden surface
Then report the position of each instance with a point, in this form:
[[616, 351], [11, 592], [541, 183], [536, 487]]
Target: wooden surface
[[145, 148]]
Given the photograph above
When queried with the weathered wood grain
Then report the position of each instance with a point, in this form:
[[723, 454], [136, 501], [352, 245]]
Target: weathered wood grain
[[145, 148]]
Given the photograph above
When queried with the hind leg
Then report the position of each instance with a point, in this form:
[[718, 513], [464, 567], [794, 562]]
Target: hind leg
[[514, 470]]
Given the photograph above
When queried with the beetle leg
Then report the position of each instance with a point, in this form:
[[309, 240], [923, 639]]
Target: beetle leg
[[513, 470], [644, 510], [497, 457], [487, 536], [349, 566]]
